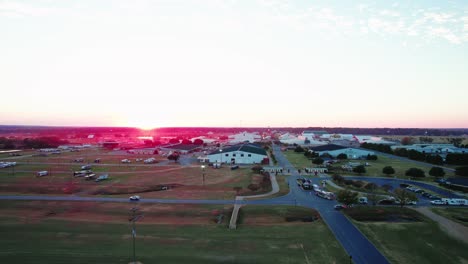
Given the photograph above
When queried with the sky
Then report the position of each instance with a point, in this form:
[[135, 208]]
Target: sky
[[252, 63]]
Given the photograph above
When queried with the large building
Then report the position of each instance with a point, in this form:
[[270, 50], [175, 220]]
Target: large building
[[335, 150], [433, 148], [239, 154]]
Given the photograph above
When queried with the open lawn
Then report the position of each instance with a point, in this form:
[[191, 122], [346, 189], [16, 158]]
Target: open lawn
[[183, 181], [298, 160], [407, 241], [166, 234], [376, 166], [459, 215]]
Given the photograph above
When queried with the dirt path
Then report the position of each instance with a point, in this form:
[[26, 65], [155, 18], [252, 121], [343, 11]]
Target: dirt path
[[454, 229]]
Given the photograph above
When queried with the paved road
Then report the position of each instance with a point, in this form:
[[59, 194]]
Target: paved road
[[352, 240]]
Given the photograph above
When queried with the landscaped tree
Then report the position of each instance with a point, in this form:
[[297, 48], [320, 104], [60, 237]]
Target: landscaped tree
[[404, 196], [359, 169], [407, 141], [253, 187], [437, 172], [371, 196], [347, 197], [338, 178], [371, 157], [342, 156], [198, 142], [174, 156], [174, 141], [299, 149], [415, 172], [435, 159], [186, 142], [388, 170], [317, 161], [237, 189]]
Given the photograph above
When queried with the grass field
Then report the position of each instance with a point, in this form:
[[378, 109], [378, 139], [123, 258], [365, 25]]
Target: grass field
[[185, 181], [459, 215], [55, 239], [414, 242], [375, 168], [298, 160]]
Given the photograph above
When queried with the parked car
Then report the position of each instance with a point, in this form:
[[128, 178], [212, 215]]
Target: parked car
[[438, 202], [86, 167], [126, 161], [134, 198], [440, 180], [98, 160], [407, 202], [427, 195], [102, 177], [42, 173], [340, 206], [363, 200]]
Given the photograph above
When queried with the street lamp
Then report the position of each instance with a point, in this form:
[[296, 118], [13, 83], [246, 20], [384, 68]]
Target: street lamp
[[220, 157], [203, 173]]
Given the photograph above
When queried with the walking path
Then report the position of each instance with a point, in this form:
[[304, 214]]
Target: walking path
[[239, 199], [454, 229]]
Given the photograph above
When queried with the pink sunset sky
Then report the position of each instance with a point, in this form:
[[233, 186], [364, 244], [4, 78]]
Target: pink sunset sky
[[234, 63]]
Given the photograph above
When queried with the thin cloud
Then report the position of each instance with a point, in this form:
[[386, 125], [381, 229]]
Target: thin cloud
[[21, 9]]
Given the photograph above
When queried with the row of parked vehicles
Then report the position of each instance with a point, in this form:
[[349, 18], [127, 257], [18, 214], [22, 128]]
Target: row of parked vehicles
[[6, 164], [450, 201], [422, 192]]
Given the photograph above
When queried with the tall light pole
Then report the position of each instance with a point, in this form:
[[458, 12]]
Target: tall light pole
[[203, 174], [220, 157], [133, 219]]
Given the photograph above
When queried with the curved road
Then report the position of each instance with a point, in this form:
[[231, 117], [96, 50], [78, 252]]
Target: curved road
[[352, 240]]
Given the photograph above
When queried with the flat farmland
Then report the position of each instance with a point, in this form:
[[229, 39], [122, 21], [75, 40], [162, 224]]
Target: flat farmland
[[76, 232]]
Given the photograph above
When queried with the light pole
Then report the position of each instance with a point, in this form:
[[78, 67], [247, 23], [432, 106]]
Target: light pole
[[220, 157], [203, 174], [133, 219]]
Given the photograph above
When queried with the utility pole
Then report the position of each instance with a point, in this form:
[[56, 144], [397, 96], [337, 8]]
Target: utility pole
[[133, 219]]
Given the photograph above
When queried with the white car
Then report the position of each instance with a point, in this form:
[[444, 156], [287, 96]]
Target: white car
[[134, 198], [438, 202]]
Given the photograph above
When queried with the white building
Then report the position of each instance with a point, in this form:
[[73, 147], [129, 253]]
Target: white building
[[310, 134], [239, 154], [244, 137], [335, 150], [374, 140], [143, 151], [299, 140]]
